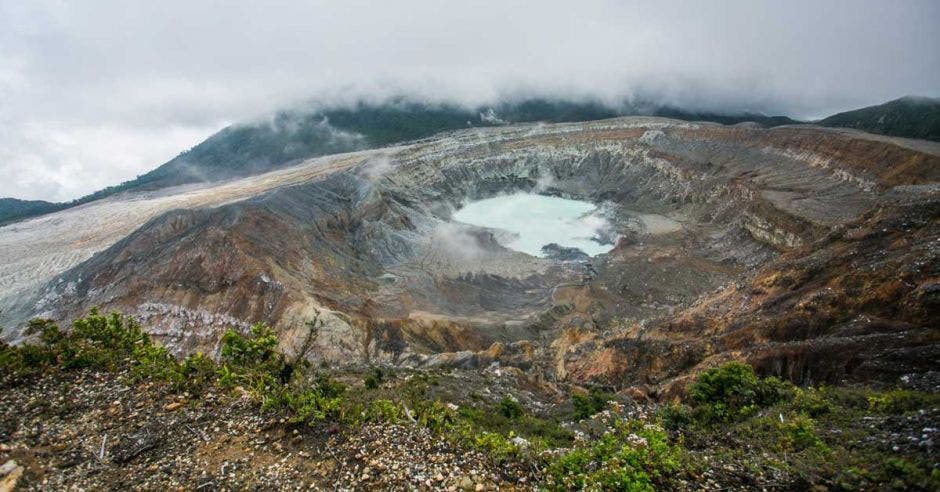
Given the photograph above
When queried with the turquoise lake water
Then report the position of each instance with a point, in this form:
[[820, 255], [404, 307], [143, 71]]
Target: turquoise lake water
[[537, 220]]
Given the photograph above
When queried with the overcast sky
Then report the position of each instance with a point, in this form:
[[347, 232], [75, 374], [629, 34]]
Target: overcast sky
[[96, 92]]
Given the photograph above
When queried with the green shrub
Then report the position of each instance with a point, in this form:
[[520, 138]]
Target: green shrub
[[633, 456], [732, 384], [732, 391], [26, 361], [252, 351], [799, 433], [675, 416], [308, 405], [13, 365], [435, 416], [251, 361], [95, 341], [197, 371], [897, 401], [100, 341], [771, 390], [509, 408], [495, 445], [383, 411], [113, 332], [586, 406], [375, 379], [542, 433], [154, 361], [811, 402], [791, 432], [47, 330]]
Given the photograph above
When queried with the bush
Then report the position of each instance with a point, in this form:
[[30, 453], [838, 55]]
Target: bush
[[811, 402], [633, 456], [675, 416], [495, 445], [383, 411], [95, 341], [154, 361], [252, 361], [435, 416], [374, 380], [732, 391], [197, 371], [789, 433], [253, 351], [29, 360], [799, 433], [586, 406], [15, 363], [305, 405], [771, 390], [732, 384], [509, 408], [897, 401]]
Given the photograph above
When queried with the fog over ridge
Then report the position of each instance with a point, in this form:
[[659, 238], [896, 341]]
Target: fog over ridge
[[96, 92]]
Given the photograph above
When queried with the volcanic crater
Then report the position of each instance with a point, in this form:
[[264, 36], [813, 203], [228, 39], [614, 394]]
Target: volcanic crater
[[727, 239]]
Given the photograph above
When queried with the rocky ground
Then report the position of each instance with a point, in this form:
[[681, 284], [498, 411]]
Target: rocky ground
[[90, 431]]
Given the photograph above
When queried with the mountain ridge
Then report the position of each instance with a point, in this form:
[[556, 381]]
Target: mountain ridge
[[290, 136], [908, 116]]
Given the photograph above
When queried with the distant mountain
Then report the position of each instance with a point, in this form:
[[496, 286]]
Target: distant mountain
[[291, 136], [910, 117], [12, 209], [725, 119]]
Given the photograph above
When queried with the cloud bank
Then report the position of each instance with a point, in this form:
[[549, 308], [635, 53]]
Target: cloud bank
[[96, 92]]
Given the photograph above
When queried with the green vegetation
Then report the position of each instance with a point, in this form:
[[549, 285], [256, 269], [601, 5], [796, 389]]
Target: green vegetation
[[819, 435], [587, 405], [375, 379], [910, 117], [633, 456], [509, 408], [253, 362], [731, 420], [12, 209], [726, 393], [96, 341]]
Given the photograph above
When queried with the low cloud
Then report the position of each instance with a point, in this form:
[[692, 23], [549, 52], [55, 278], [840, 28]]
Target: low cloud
[[377, 167], [96, 92]]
